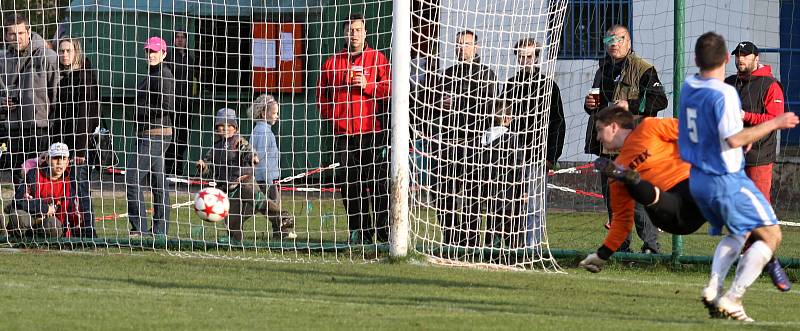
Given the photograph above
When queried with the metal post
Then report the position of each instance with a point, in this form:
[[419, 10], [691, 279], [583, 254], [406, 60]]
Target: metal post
[[677, 81], [401, 74]]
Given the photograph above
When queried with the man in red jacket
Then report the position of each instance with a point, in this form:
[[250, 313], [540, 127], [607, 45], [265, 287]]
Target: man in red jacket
[[762, 100], [353, 88]]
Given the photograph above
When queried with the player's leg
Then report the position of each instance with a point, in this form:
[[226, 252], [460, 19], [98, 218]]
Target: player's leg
[[762, 177], [748, 211], [713, 209]]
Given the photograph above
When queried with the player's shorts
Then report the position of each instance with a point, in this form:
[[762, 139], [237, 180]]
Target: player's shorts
[[676, 211], [731, 201]]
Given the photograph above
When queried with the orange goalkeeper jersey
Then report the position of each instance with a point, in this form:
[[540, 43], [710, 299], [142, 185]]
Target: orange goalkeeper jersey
[[652, 150]]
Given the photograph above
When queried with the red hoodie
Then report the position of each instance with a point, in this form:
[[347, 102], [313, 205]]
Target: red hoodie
[[352, 108], [773, 100]]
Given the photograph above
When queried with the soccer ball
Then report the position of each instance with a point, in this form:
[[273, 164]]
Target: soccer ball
[[211, 204]]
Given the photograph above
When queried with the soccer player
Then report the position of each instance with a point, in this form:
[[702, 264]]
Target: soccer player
[[711, 136], [648, 170], [655, 177]]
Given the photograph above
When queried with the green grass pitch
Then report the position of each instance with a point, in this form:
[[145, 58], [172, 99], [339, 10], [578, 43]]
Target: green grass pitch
[[122, 289]]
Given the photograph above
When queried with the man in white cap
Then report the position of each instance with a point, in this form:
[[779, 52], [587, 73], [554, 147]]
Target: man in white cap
[[46, 203], [155, 108]]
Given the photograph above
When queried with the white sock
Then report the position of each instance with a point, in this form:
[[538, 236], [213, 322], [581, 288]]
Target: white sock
[[750, 267], [726, 253]]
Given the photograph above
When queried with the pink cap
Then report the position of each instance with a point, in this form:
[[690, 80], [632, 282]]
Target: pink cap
[[156, 44]]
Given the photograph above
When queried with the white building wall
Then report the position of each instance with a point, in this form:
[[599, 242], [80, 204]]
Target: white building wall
[[500, 23]]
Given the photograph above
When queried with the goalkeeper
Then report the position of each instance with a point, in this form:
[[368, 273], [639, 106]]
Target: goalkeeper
[[653, 175]]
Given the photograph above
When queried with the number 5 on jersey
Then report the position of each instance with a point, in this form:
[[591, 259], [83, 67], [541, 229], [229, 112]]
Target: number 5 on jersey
[[691, 123]]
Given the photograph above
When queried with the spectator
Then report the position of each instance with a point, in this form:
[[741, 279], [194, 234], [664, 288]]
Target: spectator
[[762, 100], [76, 115], [230, 162], [503, 158], [352, 91], [46, 203], [626, 80], [29, 88], [528, 90], [155, 101], [184, 66], [462, 93], [266, 111]]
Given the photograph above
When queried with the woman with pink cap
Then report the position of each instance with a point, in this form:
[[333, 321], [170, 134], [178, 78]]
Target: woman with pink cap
[[155, 107]]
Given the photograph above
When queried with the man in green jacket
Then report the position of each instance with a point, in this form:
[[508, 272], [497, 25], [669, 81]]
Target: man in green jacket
[[626, 80]]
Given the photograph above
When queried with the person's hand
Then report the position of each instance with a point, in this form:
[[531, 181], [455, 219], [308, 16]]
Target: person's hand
[[8, 103], [787, 120], [80, 160], [622, 103], [447, 103], [748, 147], [51, 210], [202, 167], [593, 263], [242, 178], [590, 103], [359, 80]]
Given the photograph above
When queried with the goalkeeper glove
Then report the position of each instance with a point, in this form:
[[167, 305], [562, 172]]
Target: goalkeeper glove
[[593, 263]]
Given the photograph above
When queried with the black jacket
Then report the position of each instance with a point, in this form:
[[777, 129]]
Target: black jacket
[[752, 91], [184, 67], [528, 92], [471, 86], [155, 99], [78, 111]]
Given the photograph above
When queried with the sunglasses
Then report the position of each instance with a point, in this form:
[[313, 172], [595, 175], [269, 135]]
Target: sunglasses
[[612, 40]]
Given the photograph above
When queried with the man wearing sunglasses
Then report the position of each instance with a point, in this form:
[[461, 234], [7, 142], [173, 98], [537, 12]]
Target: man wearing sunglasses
[[632, 83]]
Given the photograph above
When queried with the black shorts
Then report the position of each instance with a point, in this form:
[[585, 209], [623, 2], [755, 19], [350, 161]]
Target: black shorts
[[676, 212]]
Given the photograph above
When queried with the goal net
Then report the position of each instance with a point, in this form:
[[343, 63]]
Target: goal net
[[498, 174], [485, 121]]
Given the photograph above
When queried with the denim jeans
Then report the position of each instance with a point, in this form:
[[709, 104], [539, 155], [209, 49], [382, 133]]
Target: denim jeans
[[147, 162]]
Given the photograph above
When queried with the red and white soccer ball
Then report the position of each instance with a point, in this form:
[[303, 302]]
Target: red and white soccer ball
[[211, 204]]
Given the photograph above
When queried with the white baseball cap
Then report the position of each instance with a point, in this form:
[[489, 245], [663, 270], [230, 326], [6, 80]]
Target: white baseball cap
[[58, 150]]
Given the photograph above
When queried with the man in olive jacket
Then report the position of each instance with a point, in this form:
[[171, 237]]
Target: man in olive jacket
[[626, 80]]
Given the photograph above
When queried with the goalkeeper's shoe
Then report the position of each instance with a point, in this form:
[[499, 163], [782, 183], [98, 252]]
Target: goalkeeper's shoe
[[778, 275], [611, 169], [709, 299], [732, 308]]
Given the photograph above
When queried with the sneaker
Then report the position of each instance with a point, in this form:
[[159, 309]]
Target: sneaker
[[611, 169], [732, 309], [135, 234], [778, 275], [709, 299]]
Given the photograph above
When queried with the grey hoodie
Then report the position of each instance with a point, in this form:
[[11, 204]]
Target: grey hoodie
[[32, 77]]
